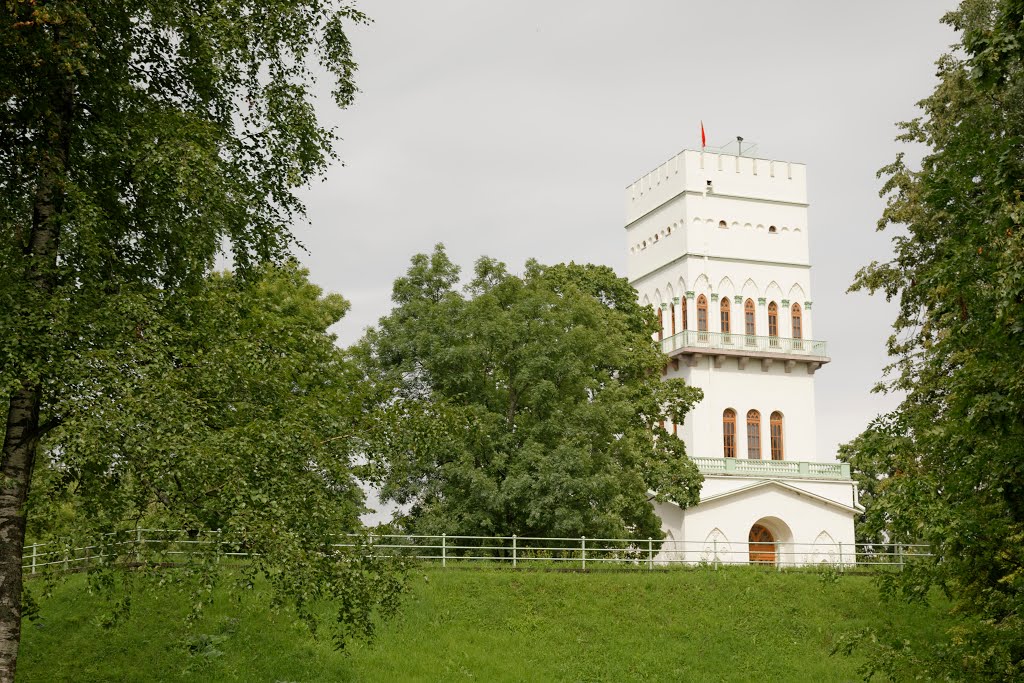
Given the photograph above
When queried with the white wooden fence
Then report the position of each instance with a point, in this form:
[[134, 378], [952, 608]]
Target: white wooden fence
[[173, 546]]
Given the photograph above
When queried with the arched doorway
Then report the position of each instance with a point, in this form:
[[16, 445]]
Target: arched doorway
[[762, 545]]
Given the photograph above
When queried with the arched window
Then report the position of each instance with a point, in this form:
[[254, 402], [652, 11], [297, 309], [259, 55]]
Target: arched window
[[776, 435], [753, 435], [729, 432], [661, 324], [683, 311], [724, 307], [672, 315], [798, 322], [748, 317], [702, 314], [773, 322]]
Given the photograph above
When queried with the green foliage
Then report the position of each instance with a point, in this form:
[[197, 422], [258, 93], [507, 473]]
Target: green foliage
[[950, 456], [137, 141], [527, 405], [232, 409]]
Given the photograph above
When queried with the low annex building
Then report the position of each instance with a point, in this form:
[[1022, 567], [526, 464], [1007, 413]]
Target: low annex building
[[718, 245]]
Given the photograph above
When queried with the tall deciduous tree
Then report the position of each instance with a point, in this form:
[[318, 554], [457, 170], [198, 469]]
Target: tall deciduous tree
[[136, 139], [953, 472], [528, 405], [226, 408]]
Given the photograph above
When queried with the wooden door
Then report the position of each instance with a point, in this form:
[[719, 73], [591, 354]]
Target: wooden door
[[762, 545]]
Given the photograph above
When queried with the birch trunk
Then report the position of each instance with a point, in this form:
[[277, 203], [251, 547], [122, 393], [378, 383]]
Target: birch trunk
[[21, 435]]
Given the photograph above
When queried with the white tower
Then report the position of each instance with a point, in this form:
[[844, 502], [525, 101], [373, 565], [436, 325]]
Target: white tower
[[718, 244]]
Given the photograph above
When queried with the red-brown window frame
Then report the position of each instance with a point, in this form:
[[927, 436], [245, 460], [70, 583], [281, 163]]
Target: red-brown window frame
[[773, 319], [753, 435], [775, 422], [797, 321], [729, 433], [749, 318], [725, 310], [702, 314]]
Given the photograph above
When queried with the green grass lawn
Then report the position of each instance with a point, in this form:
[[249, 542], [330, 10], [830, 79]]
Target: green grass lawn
[[740, 624]]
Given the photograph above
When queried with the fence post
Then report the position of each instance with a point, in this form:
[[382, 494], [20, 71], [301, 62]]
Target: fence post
[[514, 551], [842, 562], [583, 546], [716, 552], [899, 552], [444, 550], [778, 558], [34, 545], [650, 554]]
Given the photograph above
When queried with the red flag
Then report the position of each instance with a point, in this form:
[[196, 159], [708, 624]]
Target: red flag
[[703, 139]]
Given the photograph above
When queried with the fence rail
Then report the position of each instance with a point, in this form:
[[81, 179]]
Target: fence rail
[[171, 546]]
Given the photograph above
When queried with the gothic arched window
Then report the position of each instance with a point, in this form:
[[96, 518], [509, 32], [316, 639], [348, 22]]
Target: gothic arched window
[[748, 317], [729, 432], [776, 435], [682, 310], [672, 316], [661, 324], [798, 323], [773, 319], [702, 314], [753, 435], [724, 308]]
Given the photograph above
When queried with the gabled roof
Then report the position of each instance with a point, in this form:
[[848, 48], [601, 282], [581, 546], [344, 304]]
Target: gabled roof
[[786, 487]]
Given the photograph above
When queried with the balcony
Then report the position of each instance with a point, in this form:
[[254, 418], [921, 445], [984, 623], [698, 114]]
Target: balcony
[[782, 469], [720, 345]]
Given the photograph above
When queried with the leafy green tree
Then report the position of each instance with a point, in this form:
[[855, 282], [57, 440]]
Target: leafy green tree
[[136, 140], [231, 409], [953, 470], [527, 405]]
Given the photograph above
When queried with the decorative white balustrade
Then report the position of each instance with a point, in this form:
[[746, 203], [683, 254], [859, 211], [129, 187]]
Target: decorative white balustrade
[[798, 469], [738, 343]]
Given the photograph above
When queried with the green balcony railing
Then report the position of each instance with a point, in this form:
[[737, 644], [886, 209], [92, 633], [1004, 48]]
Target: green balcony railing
[[693, 339], [801, 469]]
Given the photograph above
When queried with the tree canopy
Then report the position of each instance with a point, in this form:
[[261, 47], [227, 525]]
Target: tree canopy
[[231, 410], [948, 464], [525, 404], [137, 140]]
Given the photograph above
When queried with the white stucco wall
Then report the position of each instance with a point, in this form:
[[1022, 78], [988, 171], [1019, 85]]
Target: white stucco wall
[[732, 227], [807, 530]]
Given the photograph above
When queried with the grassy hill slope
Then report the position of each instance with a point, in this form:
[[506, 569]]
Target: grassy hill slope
[[740, 624]]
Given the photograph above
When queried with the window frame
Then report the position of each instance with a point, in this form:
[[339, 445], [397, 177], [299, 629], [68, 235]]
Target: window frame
[[749, 318], [728, 433], [753, 434], [778, 451]]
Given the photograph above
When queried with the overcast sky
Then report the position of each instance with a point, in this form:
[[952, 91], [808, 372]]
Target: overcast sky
[[512, 128]]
